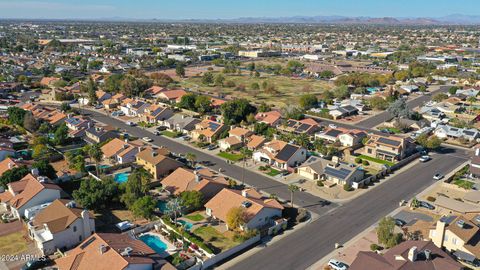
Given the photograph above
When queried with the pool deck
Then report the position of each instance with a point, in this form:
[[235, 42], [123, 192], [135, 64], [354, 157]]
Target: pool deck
[[171, 249]]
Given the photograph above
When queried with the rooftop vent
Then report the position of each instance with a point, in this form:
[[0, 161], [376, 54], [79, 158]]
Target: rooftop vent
[[127, 251], [102, 249], [461, 223], [428, 254], [246, 204], [412, 254]]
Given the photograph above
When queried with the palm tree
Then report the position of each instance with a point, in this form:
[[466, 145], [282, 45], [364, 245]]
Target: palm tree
[[145, 178], [293, 188], [174, 206], [96, 154], [191, 157]]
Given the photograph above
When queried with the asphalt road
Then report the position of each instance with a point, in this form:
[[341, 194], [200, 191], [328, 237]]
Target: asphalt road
[[304, 247], [303, 199]]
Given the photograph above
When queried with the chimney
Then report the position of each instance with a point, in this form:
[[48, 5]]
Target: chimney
[[335, 159], [245, 193], [197, 177], [428, 254], [102, 249], [412, 254], [10, 165], [437, 239]]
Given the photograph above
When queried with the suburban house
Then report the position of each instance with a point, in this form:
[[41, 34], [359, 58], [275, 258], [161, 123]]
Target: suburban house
[[447, 131], [61, 225], [133, 108], [50, 115], [209, 130], [156, 114], [281, 154], [156, 162], [102, 95], [186, 180], [347, 137], [121, 152], [237, 138], [180, 122], [254, 142], [77, 125], [260, 212], [99, 134], [108, 251], [49, 81], [431, 113], [113, 102], [28, 192], [341, 111], [154, 90], [458, 235], [406, 255], [171, 95], [10, 163], [474, 163], [271, 118], [385, 147], [334, 171], [304, 126]]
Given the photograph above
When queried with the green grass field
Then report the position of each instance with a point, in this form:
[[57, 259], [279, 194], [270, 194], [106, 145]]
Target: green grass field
[[230, 156], [221, 241], [464, 184], [376, 160], [169, 134], [195, 217], [273, 172]]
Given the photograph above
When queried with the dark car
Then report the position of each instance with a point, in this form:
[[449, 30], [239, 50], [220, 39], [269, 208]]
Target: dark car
[[162, 128], [207, 163], [427, 205], [36, 264], [400, 222]]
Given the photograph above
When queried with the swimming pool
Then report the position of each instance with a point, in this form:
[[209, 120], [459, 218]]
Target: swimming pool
[[121, 177], [188, 226], [154, 242], [162, 206]]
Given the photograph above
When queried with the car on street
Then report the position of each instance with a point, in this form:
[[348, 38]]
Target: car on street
[[207, 163], [332, 126], [212, 147], [437, 176], [157, 133], [426, 205], [400, 222], [425, 158], [130, 123], [337, 265], [147, 139], [97, 107]]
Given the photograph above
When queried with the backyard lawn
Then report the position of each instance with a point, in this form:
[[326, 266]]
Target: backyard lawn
[[464, 183], [13, 243], [195, 217], [230, 156], [221, 241], [376, 160]]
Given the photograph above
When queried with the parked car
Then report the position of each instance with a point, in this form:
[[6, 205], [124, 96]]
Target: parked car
[[337, 265], [161, 128], [36, 264], [332, 126], [400, 222], [98, 107], [157, 133], [426, 205], [130, 123], [147, 139], [212, 147], [207, 163], [425, 158], [437, 176]]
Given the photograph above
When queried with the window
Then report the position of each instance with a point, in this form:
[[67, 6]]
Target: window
[[446, 238], [454, 241], [74, 228], [433, 233], [369, 150], [79, 238]]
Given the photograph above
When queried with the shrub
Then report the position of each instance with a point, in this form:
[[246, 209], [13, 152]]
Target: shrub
[[358, 160], [347, 187], [302, 215], [431, 199], [320, 183], [375, 247], [365, 163]]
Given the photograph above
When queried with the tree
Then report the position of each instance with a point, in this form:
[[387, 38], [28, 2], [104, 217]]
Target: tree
[[192, 199], [76, 160], [203, 104], [96, 195], [16, 115], [341, 92], [96, 154], [207, 78], [385, 232], [219, 79], [44, 168], [308, 101], [401, 75], [30, 123], [439, 97], [180, 70], [236, 217], [292, 188], [452, 90], [137, 186], [174, 206], [378, 103], [13, 175], [90, 87], [236, 111], [143, 207], [188, 102], [399, 109], [61, 135], [39, 151], [191, 157]]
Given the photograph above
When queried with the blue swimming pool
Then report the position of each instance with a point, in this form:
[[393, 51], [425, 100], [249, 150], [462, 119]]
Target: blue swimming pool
[[121, 177], [188, 226], [154, 243], [162, 206]]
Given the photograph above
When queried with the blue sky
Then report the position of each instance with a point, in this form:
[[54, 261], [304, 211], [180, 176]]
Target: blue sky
[[213, 9]]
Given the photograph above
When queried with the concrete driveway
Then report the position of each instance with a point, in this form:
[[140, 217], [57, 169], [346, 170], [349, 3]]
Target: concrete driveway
[[408, 216]]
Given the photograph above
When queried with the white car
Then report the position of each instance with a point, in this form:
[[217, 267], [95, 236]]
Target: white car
[[424, 158], [438, 176], [332, 126], [147, 139], [337, 265], [130, 123]]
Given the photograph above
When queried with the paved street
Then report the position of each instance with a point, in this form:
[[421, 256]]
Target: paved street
[[264, 183], [304, 247]]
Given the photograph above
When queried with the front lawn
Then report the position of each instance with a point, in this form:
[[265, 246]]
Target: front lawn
[[273, 172], [230, 156], [221, 241], [13, 243], [195, 217], [376, 160], [464, 183], [170, 134]]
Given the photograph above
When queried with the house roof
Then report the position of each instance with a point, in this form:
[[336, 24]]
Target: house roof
[[87, 255], [185, 180], [268, 117], [238, 131], [113, 147], [255, 141], [10, 163], [173, 94], [340, 170], [31, 187], [58, 216], [396, 258], [227, 199], [154, 156], [287, 152]]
